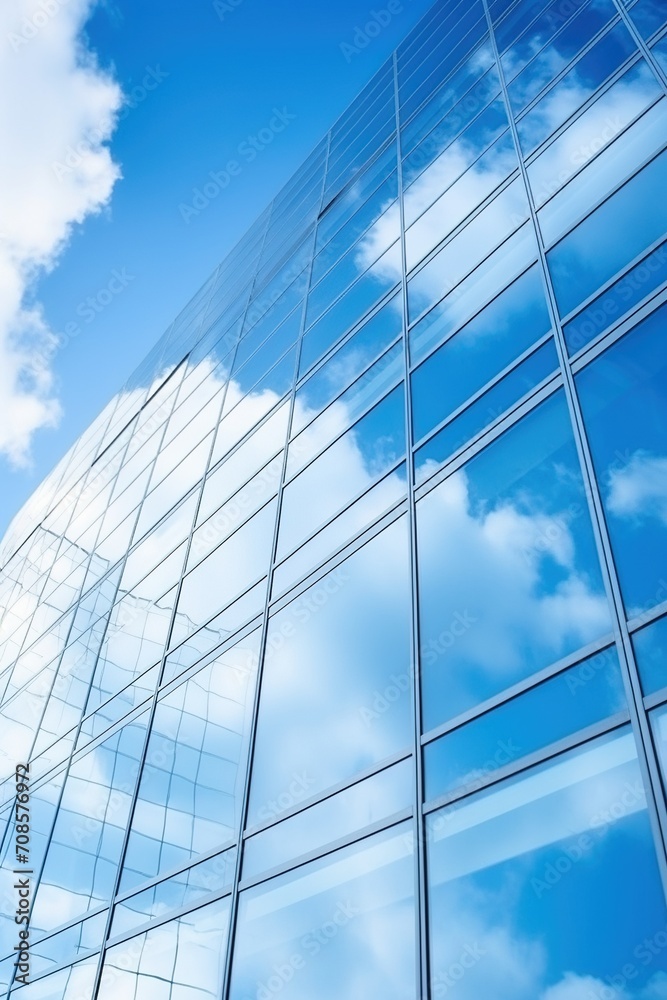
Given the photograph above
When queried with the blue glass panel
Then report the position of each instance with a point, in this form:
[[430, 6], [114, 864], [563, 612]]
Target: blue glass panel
[[517, 318], [587, 693], [547, 885], [624, 402], [650, 646], [509, 578], [620, 229], [485, 410], [617, 300]]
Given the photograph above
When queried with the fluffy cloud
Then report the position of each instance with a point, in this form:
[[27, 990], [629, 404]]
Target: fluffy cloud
[[639, 489], [57, 171]]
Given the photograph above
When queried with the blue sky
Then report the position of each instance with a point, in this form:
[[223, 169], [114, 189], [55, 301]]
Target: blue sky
[[198, 78]]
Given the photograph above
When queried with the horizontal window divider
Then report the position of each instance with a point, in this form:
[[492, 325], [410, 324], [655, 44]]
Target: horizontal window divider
[[364, 413], [231, 534], [364, 371], [393, 205], [432, 254], [322, 852], [349, 333], [176, 870], [478, 444], [341, 510], [645, 308], [521, 687], [613, 20], [166, 687], [647, 617], [328, 793], [345, 190], [497, 95], [358, 162], [416, 40], [597, 154], [35, 977], [496, 380], [358, 209], [406, 72], [470, 166], [564, 70], [533, 154], [580, 738], [348, 548], [72, 922], [167, 917], [598, 204], [610, 282], [447, 82], [655, 699]]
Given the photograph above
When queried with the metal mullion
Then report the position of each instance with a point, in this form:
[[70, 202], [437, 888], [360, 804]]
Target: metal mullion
[[610, 283], [364, 413], [520, 688], [657, 812], [529, 761], [419, 841], [641, 44], [323, 851], [153, 706], [174, 872], [225, 985], [656, 699]]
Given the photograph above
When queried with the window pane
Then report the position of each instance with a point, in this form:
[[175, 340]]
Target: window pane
[[625, 411], [508, 572], [547, 885], [650, 646], [329, 654], [179, 959], [586, 693], [486, 345], [339, 927], [375, 798], [189, 796]]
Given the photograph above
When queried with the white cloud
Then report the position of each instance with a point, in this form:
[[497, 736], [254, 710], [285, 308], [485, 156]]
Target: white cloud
[[56, 170], [640, 488]]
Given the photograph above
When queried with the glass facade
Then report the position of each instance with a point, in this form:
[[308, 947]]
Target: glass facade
[[337, 645]]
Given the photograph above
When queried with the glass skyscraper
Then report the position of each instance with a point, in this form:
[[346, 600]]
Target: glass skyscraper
[[337, 645]]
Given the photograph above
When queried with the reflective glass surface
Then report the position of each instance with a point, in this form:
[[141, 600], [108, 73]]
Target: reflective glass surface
[[508, 573], [315, 633], [625, 410]]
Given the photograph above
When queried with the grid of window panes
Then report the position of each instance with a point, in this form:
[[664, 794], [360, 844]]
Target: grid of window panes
[[338, 644]]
